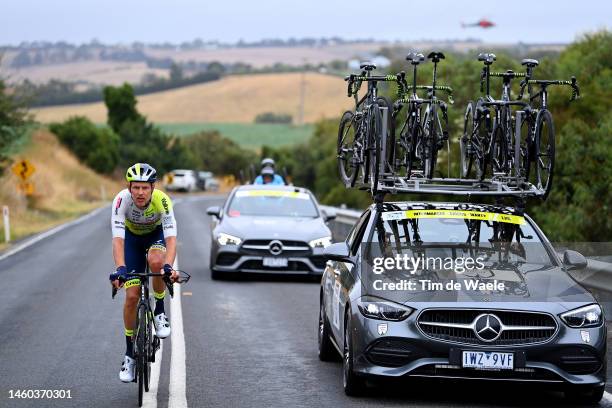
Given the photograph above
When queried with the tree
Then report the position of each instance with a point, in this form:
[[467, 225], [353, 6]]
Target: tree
[[176, 72], [121, 105]]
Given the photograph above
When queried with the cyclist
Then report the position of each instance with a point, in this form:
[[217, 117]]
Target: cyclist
[[142, 222], [268, 164]]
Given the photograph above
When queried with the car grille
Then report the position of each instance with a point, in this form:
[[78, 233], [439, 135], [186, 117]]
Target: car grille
[[391, 352], [520, 327], [518, 374], [261, 247]]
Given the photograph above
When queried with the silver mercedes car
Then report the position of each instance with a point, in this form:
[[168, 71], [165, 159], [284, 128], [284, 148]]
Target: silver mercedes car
[[269, 229]]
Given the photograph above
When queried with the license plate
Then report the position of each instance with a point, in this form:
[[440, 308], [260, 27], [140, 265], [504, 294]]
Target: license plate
[[275, 262], [488, 360]]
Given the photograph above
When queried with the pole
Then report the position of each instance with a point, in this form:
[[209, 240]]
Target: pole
[[7, 227], [300, 120]]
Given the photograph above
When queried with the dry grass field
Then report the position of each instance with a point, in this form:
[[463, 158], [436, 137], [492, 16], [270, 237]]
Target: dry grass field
[[64, 188], [234, 99]]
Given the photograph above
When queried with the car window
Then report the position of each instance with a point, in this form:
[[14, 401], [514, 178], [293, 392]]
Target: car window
[[354, 237], [513, 240], [272, 203]]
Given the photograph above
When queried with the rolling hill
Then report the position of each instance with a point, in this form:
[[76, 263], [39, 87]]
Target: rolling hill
[[234, 99]]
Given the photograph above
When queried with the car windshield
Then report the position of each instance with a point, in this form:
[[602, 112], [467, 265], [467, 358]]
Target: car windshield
[[272, 203], [499, 239]]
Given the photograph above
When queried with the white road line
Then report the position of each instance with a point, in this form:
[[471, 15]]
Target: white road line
[[48, 233], [177, 390], [149, 399], [607, 397]]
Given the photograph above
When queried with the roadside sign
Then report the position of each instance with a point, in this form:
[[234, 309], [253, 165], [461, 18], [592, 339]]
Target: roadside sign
[[26, 188], [23, 169]]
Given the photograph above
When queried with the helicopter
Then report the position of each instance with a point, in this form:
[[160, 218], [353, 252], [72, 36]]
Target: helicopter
[[482, 23]]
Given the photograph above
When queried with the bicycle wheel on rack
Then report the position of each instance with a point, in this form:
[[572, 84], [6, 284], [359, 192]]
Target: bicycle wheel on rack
[[544, 152], [498, 156], [430, 137], [374, 147], [388, 157], [465, 144], [347, 160]]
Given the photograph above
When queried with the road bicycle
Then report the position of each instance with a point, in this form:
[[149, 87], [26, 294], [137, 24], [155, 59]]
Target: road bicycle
[[487, 138], [538, 142], [422, 133], [360, 131], [145, 343]]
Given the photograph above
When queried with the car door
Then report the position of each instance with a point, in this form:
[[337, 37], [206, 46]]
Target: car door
[[343, 279]]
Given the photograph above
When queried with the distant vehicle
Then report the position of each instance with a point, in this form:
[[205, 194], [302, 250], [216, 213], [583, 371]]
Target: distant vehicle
[[483, 23], [207, 181], [182, 180], [269, 229]]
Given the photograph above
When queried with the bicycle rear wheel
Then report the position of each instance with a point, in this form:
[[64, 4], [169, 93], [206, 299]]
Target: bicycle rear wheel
[[465, 145], [544, 152], [347, 135]]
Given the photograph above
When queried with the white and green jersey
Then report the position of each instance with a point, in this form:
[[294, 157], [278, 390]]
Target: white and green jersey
[[125, 214]]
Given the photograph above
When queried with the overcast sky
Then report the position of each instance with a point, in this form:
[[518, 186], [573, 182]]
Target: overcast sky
[[125, 21]]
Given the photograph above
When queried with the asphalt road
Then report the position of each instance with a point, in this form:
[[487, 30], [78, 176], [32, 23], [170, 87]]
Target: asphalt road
[[248, 343]]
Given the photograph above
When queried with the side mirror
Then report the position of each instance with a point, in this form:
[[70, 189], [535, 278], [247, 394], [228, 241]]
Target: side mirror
[[338, 252], [216, 211], [329, 215], [574, 260]]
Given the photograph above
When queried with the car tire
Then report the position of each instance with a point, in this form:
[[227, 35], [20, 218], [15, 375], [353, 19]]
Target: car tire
[[327, 352], [215, 275], [585, 396], [354, 386]]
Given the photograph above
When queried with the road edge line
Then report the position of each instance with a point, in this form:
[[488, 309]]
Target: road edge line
[[177, 397], [39, 237], [150, 398]]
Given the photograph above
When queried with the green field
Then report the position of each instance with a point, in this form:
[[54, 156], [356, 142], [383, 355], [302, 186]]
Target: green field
[[249, 135]]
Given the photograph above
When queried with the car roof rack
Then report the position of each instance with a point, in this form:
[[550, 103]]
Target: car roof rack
[[497, 186]]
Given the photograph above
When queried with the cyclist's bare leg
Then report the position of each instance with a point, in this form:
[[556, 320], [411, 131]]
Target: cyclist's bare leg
[[132, 294], [156, 258]]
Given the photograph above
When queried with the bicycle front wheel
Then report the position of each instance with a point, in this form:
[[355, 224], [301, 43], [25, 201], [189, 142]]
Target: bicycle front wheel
[[141, 352], [431, 142], [374, 148], [545, 152], [347, 155]]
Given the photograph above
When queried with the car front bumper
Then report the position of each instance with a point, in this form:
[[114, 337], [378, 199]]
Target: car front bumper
[[404, 350]]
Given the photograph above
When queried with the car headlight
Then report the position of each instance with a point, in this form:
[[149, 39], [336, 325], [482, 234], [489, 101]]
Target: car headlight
[[587, 316], [227, 239], [380, 309], [320, 242]]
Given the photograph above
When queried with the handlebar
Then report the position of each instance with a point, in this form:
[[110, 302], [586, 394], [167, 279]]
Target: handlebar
[[165, 277], [573, 83]]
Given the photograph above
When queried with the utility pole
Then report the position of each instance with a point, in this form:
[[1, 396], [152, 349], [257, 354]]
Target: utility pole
[[300, 120]]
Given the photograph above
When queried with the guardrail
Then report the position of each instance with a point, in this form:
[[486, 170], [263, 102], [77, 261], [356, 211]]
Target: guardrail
[[597, 276]]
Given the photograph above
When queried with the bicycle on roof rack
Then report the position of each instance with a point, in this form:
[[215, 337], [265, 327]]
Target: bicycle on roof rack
[[423, 133], [359, 134], [537, 148]]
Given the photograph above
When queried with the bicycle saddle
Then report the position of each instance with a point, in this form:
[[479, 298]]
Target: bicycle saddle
[[415, 58], [530, 62], [487, 58], [435, 56], [368, 66]]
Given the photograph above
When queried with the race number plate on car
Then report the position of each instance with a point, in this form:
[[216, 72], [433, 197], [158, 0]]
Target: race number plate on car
[[274, 262], [488, 360]]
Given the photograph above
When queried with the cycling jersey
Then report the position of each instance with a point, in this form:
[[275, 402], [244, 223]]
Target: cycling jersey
[[125, 214], [277, 180]]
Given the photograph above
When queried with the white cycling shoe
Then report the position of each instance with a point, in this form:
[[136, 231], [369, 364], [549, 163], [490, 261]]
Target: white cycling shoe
[[162, 326], [127, 370]]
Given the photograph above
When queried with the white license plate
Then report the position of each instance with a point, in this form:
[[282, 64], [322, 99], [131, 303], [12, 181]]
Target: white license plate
[[488, 360], [275, 262]]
